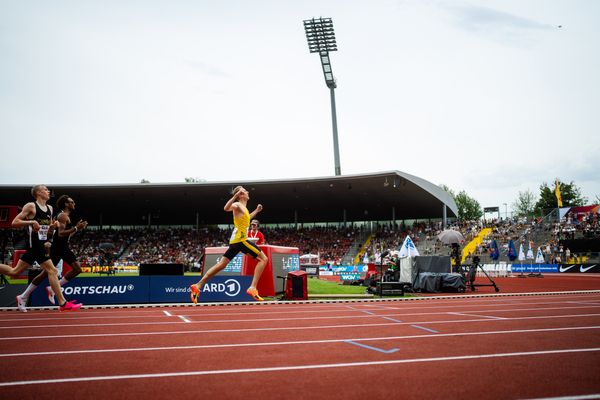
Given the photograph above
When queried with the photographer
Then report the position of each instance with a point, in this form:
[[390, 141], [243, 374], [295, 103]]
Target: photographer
[[455, 256]]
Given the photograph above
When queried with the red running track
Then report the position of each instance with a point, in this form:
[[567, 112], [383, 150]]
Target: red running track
[[509, 347]]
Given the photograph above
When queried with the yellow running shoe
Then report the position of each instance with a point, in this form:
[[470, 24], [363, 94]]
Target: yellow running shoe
[[194, 293], [254, 293]]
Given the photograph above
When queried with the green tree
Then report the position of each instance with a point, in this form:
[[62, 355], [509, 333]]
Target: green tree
[[468, 207], [524, 205], [447, 189], [570, 193]]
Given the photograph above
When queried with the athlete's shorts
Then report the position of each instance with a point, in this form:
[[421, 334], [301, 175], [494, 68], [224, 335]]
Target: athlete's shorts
[[245, 247], [64, 254], [37, 253]]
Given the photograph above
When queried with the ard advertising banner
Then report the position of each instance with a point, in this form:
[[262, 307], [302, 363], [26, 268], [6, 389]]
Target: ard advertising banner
[[176, 289], [147, 289]]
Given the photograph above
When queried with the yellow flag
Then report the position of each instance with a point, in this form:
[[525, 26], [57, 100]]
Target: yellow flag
[[557, 193]]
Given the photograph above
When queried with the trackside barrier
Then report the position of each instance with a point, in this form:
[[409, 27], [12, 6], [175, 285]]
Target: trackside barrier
[[147, 289], [534, 268], [345, 269], [506, 269], [500, 269]]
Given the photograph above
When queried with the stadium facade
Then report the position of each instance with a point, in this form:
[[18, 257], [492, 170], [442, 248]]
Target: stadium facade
[[382, 196]]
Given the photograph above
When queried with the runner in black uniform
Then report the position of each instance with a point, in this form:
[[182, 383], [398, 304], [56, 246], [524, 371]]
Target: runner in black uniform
[[38, 248], [37, 217], [60, 250]]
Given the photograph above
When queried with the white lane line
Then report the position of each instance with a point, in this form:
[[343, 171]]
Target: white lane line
[[290, 328], [378, 307], [475, 315], [168, 314], [298, 367], [475, 300], [573, 397], [184, 319], [297, 342], [206, 310], [284, 319], [92, 314], [587, 303]]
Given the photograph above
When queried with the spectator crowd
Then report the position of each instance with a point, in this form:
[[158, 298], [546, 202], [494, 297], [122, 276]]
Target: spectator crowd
[[333, 244]]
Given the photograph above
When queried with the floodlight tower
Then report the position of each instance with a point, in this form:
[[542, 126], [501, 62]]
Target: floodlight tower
[[321, 39]]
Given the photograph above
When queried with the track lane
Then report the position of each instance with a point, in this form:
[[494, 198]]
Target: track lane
[[190, 336], [416, 345], [354, 314], [527, 376]]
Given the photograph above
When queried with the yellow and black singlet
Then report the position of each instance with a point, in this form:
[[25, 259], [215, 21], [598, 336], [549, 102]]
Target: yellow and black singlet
[[241, 223]]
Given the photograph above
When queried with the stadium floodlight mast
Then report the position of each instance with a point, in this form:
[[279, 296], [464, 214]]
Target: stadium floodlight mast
[[321, 39]]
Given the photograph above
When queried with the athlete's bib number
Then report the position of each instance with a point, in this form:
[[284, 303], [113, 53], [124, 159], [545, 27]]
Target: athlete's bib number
[[43, 232]]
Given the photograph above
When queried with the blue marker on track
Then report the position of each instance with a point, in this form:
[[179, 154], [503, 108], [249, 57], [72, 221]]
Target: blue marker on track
[[372, 348], [425, 329]]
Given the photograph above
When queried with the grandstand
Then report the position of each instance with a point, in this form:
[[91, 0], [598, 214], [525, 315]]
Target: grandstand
[[346, 220], [386, 196], [160, 222]]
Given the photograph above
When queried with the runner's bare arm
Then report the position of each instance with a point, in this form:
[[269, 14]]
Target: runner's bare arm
[[63, 220], [256, 211], [231, 203], [23, 218]]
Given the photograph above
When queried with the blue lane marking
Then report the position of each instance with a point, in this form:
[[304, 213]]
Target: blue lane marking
[[372, 313], [372, 348], [365, 311], [425, 329]]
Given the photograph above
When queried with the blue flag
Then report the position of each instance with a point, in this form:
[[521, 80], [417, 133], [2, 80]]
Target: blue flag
[[495, 253], [512, 251]]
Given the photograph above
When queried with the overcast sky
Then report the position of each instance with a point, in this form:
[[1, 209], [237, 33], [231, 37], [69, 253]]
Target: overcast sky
[[490, 97]]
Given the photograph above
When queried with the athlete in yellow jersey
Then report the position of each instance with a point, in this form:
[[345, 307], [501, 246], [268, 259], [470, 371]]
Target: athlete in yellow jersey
[[238, 242]]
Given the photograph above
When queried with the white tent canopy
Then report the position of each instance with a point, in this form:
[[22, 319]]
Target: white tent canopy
[[309, 259]]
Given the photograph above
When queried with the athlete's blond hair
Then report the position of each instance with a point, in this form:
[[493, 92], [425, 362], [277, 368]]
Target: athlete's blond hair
[[236, 190], [35, 189]]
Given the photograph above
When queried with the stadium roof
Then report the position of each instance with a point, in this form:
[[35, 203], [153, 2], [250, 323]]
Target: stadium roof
[[379, 196]]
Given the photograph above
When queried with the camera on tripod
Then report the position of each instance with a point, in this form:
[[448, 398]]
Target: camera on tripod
[[471, 275]]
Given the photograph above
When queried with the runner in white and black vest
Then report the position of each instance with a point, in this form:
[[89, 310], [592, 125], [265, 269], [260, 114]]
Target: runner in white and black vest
[[60, 250], [36, 216]]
